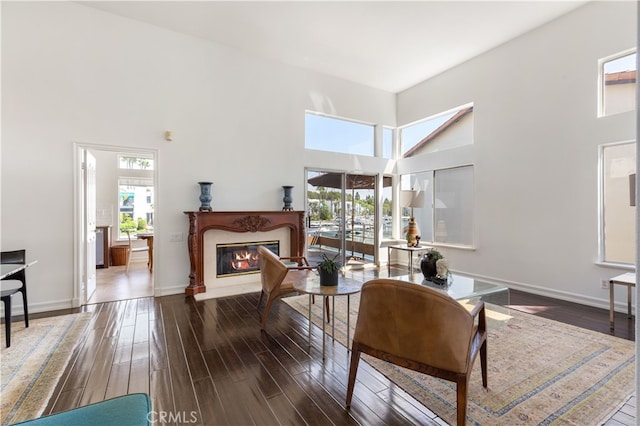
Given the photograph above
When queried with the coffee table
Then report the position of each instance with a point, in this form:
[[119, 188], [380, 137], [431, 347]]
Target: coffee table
[[311, 286], [460, 287]]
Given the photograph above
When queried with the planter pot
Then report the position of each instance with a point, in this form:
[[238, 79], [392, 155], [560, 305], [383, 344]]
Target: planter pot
[[328, 278], [428, 268]]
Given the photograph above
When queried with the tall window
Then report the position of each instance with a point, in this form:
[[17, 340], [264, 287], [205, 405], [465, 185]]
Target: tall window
[[618, 84], [338, 135], [135, 205], [443, 131], [387, 142], [617, 202], [447, 215]]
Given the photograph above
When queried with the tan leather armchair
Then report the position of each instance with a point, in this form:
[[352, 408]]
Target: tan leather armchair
[[421, 329], [277, 279]]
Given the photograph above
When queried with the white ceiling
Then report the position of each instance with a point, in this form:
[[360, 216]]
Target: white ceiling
[[390, 45]]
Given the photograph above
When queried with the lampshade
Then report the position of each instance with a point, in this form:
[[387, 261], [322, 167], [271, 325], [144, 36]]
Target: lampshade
[[412, 199]]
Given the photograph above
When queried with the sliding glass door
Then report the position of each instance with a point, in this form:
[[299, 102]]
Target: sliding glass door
[[341, 212]]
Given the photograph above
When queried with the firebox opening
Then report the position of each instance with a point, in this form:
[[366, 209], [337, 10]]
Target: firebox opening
[[241, 258]]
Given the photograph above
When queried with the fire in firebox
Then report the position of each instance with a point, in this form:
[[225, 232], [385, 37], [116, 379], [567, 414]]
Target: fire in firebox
[[241, 258]]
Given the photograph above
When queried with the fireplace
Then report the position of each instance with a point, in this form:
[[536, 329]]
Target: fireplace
[[249, 222], [241, 258]]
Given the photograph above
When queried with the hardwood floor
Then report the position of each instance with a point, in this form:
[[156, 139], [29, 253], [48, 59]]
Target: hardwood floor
[[114, 283], [208, 363]]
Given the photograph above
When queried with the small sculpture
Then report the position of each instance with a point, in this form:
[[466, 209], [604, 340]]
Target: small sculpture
[[442, 268]]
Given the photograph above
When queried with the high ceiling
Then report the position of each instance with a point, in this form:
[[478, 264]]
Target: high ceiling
[[390, 45]]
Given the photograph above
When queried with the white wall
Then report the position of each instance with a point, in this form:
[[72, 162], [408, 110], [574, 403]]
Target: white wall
[[75, 74], [536, 150]]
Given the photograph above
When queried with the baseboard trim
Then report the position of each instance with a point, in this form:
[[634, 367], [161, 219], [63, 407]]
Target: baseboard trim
[[168, 291]]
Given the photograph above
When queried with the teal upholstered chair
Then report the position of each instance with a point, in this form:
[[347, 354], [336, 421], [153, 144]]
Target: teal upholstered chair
[[126, 410]]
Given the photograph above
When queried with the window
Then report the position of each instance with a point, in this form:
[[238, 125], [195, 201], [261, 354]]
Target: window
[[135, 205], [387, 142], [337, 135], [447, 216], [136, 162], [443, 131], [617, 203], [453, 206], [618, 84]]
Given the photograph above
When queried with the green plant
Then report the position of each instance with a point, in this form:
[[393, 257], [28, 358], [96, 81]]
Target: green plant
[[329, 265], [142, 224], [127, 223], [433, 254]]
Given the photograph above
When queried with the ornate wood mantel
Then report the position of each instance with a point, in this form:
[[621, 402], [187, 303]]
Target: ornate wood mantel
[[258, 221]]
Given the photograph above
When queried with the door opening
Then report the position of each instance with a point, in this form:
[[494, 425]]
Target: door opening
[[125, 186]]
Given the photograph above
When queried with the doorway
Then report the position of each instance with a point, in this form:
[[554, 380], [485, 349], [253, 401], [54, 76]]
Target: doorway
[[342, 217], [125, 188]]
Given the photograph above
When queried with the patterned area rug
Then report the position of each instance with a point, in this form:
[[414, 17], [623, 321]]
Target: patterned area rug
[[540, 371], [33, 364]]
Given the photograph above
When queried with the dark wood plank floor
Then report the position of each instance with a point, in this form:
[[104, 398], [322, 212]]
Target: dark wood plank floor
[[208, 363]]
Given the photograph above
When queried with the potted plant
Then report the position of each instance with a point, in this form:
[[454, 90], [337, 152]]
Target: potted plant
[[328, 270], [428, 263]]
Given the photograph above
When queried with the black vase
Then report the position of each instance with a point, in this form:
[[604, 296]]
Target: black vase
[[328, 278], [428, 268]]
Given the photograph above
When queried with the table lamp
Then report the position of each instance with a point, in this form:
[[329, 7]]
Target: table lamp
[[412, 199]]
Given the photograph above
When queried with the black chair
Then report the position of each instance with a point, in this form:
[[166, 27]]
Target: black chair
[[15, 257]]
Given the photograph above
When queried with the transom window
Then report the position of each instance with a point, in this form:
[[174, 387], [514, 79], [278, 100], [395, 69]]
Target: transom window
[[135, 162], [446, 130], [332, 134], [618, 79]]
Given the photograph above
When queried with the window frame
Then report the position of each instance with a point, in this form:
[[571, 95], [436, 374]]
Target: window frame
[[601, 82], [432, 206], [371, 148], [602, 255], [142, 182], [121, 155], [440, 119]]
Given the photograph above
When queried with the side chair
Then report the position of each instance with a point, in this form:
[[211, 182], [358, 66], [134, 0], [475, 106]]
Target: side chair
[[14, 257], [300, 263], [134, 249], [277, 279], [421, 329]]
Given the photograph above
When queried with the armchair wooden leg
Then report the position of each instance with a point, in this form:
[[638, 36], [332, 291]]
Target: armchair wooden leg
[[260, 300], [462, 401], [353, 370], [483, 363], [265, 314]]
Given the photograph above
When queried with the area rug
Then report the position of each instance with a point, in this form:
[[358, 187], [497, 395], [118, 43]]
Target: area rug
[[32, 365], [541, 372]]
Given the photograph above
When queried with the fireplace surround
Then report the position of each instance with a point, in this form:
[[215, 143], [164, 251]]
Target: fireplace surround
[[237, 221]]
